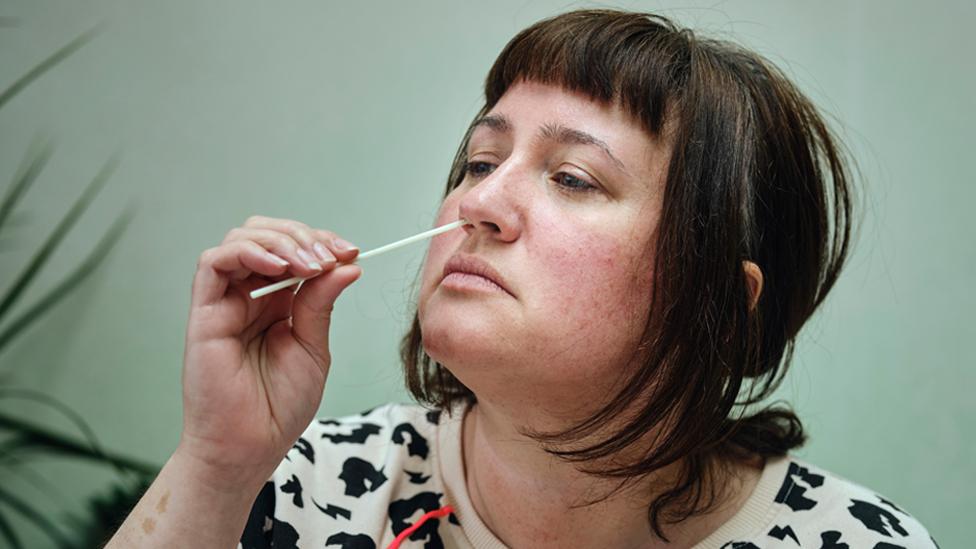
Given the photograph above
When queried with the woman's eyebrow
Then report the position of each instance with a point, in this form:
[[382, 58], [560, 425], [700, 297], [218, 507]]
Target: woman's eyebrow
[[562, 134], [557, 132], [496, 122]]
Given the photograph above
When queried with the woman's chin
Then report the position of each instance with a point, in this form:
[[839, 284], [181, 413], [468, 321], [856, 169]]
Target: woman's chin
[[460, 343], [466, 331]]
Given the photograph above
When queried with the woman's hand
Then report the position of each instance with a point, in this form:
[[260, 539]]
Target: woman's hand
[[255, 369]]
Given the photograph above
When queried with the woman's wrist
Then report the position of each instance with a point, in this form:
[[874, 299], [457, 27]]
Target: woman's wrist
[[190, 505], [220, 477]]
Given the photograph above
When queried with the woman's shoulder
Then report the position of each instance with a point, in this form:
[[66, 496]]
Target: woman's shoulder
[[368, 436], [812, 506], [352, 478], [399, 419]]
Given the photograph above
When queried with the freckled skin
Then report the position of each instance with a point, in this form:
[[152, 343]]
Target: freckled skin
[[148, 525], [576, 263], [163, 501]]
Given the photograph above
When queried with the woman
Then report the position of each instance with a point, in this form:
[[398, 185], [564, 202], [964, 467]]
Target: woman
[[651, 218]]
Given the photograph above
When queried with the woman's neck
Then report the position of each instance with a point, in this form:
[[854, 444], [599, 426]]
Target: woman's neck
[[526, 495]]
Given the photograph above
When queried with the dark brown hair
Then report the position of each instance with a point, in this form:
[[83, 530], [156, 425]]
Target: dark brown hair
[[755, 174]]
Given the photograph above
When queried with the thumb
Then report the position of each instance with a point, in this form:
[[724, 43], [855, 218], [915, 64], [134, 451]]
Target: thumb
[[312, 308]]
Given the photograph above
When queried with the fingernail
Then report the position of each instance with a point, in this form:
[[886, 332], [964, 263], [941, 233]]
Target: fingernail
[[324, 254], [279, 260], [344, 245], [307, 258]]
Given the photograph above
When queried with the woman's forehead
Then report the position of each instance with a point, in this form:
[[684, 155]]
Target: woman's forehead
[[554, 98], [533, 110]]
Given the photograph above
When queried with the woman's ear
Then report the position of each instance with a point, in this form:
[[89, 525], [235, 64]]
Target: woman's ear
[[754, 278]]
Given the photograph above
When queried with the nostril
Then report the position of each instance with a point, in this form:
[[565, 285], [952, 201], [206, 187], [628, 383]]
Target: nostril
[[489, 226]]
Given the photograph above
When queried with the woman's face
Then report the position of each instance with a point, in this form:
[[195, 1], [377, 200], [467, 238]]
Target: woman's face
[[544, 298]]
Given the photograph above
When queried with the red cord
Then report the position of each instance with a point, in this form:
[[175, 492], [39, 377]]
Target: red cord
[[436, 513]]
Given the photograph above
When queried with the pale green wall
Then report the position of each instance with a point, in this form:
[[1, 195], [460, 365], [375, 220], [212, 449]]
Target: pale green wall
[[345, 116]]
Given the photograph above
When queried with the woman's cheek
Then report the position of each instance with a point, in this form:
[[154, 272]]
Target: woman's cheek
[[586, 284], [434, 261], [440, 247]]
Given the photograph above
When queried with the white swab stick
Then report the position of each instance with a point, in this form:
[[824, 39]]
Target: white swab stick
[[260, 292], [411, 239]]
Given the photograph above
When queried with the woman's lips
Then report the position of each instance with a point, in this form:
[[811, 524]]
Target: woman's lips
[[467, 281], [468, 272]]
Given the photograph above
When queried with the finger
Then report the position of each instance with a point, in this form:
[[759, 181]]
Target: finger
[[341, 248], [232, 261], [277, 308], [284, 245], [312, 310], [307, 239], [325, 244]]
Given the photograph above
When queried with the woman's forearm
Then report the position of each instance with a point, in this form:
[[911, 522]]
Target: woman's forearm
[[187, 507]]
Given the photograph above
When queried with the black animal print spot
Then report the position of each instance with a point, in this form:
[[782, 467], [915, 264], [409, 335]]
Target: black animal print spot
[[452, 518], [294, 486], [402, 510], [350, 541], [304, 448], [792, 493], [417, 478], [739, 545], [257, 529], [892, 505], [334, 511], [434, 416], [871, 517], [884, 545], [780, 533], [418, 444], [831, 540], [283, 535], [358, 435], [356, 473]]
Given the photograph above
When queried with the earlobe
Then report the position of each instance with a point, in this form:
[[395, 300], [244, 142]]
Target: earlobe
[[754, 279]]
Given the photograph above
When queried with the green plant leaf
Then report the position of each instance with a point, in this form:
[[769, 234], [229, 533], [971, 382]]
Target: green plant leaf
[[105, 512], [8, 533], [36, 157], [67, 222], [71, 282], [33, 515], [27, 435], [37, 436], [26, 472], [48, 64], [51, 402]]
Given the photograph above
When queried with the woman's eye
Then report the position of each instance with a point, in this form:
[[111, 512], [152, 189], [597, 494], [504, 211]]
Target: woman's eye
[[566, 181], [572, 183], [479, 169]]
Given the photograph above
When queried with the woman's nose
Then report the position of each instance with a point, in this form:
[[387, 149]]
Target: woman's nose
[[492, 207]]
